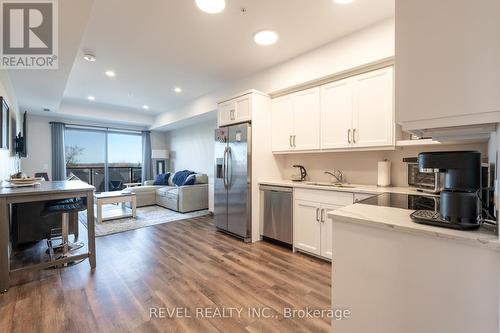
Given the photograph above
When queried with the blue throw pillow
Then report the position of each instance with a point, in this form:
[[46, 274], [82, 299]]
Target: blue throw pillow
[[162, 179], [180, 177], [190, 180]]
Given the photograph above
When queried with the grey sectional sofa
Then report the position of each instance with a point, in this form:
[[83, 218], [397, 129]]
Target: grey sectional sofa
[[182, 199]]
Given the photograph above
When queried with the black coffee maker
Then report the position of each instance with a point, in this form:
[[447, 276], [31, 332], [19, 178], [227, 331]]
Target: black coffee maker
[[459, 200]]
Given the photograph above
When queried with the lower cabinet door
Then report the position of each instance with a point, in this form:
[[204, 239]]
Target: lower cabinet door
[[307, 226], [326, 230]]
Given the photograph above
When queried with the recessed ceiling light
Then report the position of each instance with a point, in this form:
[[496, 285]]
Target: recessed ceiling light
[[211, 6], [91, 98], [89, 57], [178, 90], [265, 37], [110, 73], [145, 107], [343, 2]]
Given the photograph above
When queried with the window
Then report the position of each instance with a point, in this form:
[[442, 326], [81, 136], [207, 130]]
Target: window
[[106, 159]]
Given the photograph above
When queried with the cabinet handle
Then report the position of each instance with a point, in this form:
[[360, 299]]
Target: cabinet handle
[[322, 215], [294, 141], [290, 139], [232, 114], [354, 135], [317, 214], [349, 135]]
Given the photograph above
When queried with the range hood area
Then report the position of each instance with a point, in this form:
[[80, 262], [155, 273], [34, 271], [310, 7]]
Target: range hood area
[[447, 74], [466, 133]]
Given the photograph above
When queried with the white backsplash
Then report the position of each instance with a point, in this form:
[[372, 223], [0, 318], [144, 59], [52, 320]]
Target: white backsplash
[[361, 167]]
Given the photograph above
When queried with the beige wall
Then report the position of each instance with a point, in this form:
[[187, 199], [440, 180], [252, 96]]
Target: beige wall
[[7, 157], [39, 147], [192, 148], [361, 167]]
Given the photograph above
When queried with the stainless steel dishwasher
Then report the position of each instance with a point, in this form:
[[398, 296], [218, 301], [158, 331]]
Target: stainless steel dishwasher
[[277, 209]]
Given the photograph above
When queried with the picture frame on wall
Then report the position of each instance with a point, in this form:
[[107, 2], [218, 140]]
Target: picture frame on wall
[[4, 124], [160, 167]]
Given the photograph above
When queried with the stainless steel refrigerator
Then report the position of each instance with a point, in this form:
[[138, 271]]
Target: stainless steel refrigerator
[[232, 200]]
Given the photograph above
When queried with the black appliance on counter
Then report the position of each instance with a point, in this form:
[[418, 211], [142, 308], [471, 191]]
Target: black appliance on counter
[[460, 206]]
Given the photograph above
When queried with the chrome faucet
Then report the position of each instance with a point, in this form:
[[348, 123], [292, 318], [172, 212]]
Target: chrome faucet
[[337, 175]]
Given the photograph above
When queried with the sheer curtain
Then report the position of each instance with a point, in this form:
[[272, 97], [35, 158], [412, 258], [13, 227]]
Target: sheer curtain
[[146, 156], [58, 157]]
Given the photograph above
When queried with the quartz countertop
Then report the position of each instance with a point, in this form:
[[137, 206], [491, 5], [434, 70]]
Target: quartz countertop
[[394, 219], [47, 187], [353, 188], [391, 218]]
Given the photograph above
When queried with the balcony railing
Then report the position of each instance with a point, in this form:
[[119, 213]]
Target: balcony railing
[[118, 175]]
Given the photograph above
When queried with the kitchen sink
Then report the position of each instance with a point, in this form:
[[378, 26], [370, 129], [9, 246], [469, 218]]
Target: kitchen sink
[[340, 185]]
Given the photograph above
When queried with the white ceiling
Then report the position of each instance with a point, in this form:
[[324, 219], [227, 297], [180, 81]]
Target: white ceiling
[[156, 45], [36, 89]]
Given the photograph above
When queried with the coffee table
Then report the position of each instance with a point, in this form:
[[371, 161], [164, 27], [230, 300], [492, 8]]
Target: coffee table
[[116, 197]]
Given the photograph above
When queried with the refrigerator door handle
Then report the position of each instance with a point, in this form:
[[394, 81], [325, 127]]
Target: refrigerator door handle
[[224, 169], [229, 169]]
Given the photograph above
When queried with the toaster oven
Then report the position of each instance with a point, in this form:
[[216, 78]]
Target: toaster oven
[[422, 181]]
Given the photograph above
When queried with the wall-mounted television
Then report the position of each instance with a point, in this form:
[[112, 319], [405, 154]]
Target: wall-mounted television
[[21, 138]]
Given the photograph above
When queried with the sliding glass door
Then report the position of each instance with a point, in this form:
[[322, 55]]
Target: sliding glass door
[[107, 159], [85, 152], [124, 159]]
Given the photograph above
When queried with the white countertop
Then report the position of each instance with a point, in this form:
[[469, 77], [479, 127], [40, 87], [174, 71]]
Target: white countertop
[[355, 189], [390, 217], [399, 219]]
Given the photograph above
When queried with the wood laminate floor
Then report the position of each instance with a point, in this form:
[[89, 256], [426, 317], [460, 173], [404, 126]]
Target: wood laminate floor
[[185, 265]]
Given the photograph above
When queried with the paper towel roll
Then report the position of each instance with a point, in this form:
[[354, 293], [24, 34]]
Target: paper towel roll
[[384, 173]]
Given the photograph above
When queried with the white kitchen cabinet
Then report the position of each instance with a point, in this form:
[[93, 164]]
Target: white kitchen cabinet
[[225, 111], [326, 230], [296, 121], [336, 114], [306, 118], [282, 123], [448, 69], [356, 112], [237, 110], [307, 226], [312, 226], [373, 111]]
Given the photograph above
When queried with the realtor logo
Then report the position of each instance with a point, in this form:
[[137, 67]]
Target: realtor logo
[[29, 37]]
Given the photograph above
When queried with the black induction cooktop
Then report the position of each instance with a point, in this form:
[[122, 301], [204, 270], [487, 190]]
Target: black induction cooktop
[[404, 201]]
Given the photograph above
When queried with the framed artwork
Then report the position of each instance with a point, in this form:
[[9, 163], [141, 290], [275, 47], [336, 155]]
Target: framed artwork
[[160, 166], [4, 124]]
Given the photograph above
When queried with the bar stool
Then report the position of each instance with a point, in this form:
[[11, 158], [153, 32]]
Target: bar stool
[[64, 208]]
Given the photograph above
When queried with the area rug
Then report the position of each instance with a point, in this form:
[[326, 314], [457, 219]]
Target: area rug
[[146, 216]]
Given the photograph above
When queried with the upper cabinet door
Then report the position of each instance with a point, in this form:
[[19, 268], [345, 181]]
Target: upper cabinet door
[[336, 114], [306, 110], [235, 111], [226, 112], [282, 123], [373, 115], [243, 109]]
